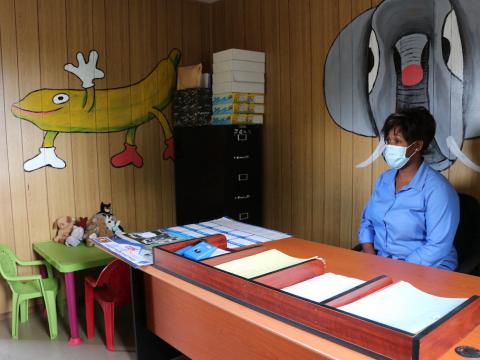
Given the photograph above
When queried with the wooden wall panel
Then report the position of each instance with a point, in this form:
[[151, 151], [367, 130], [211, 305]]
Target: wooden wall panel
[[6, 220], [102, 140], [118, 75], [37, 39], [332, 150], [79, 24], [143, 59], [52, 45], [300, 115], [13, 135], [272, 146]]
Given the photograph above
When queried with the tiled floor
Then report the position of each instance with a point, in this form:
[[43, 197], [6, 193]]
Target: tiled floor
[[34, 342]]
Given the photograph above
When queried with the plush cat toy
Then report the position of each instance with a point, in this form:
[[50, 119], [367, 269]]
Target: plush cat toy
[[103, 223]]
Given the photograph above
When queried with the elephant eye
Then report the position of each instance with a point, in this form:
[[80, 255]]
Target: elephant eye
[[373, 60], [452, 45], [60, 98]]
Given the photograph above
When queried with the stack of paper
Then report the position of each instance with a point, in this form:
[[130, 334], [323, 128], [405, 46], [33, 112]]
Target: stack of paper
[[238, 75], [323, 287], [403, 306], [238, 234], [259, 264]]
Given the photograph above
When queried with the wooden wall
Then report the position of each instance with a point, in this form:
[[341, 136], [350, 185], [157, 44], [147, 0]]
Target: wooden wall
[[131, 36], [312, 188]]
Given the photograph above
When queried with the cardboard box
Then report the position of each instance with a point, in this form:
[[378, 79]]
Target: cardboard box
[[230, 98], [234, 119], [236, 86], [238, 54], [240, 65], [242, 76], [238, 108]]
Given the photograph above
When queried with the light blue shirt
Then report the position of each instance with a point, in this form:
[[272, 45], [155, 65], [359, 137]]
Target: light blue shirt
[[417, 224]]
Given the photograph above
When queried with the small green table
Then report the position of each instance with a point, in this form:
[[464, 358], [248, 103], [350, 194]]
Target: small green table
[[67, 260]]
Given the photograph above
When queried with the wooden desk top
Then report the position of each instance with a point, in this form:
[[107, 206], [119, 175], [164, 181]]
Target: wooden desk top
[[344, 262]]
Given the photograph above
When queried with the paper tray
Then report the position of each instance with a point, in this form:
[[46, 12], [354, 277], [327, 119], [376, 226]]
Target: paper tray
[[369, 337]]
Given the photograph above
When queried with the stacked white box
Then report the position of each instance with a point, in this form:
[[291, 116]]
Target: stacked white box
[[238, 83]]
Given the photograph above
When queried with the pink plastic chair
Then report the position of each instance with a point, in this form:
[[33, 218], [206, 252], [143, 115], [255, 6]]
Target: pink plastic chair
[[112, 287]]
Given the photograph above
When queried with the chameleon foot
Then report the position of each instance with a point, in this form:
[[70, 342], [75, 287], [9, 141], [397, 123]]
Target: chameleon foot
[[169, 152], [127, 157], [46, 157]]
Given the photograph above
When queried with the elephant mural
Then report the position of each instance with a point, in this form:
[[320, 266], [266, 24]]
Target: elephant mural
[[408, 53]]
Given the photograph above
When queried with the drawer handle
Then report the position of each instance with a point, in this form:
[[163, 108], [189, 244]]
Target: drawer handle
[[242, 177], [242, 137], [242, 197], [241, 157], [243, 216]]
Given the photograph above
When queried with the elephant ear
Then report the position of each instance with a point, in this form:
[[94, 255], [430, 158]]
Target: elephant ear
[[468, 13], [346, 77]]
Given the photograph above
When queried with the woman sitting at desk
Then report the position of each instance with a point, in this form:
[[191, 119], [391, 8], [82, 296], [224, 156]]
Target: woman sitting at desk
[[413, 212]]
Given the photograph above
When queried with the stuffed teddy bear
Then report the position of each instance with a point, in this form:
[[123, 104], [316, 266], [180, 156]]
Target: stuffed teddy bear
[[66, 232], [63, 226]]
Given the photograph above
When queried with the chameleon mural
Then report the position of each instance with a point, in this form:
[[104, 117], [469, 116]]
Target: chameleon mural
[[406, 53], [100, 111]]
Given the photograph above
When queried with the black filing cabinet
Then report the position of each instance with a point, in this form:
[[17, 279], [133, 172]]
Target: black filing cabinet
[[218, 173]]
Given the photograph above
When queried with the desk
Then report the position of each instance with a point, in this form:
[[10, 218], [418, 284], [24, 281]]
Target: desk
[[204, 325], [67, 260]]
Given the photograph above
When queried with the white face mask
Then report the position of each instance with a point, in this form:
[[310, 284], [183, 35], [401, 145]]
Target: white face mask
[[395, 155]]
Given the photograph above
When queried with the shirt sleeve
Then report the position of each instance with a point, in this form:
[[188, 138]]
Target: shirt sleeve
[[366, 231], [441, 220]]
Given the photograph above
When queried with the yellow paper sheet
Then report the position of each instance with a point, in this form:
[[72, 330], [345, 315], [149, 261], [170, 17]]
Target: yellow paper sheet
[[259, 264]]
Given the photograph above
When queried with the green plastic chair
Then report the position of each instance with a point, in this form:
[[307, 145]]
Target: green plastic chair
[[28, 287]]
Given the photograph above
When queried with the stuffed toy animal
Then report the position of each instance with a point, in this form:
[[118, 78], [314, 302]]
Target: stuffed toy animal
[[113, 224], [63, 226], [75, 237], [82, 222], [96, 226]]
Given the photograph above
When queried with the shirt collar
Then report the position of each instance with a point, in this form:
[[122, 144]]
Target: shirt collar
[[418, 180]]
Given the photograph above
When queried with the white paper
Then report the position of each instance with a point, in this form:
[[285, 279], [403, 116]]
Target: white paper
[[259, 264], [403, 306], [146, 235], [323, 287], [219, 252]]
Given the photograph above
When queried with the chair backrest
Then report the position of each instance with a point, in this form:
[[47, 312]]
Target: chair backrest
[[467, 238], [8, 265], [116, 278]]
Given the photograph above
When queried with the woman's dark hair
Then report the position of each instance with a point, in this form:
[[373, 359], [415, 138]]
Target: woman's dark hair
[[414, 124]]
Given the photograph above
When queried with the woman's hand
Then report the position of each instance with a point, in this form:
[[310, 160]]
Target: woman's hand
[[368, 248]]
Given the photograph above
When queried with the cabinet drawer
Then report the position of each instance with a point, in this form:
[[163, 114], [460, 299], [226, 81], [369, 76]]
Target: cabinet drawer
[[247, 210], [245, 140]]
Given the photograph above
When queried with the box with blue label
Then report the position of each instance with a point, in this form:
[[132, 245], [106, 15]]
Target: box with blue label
[[233, 97], [234, 119], [238, 108]]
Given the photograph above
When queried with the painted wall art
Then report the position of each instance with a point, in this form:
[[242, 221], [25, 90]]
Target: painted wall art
[[408, 53], [100, 111]]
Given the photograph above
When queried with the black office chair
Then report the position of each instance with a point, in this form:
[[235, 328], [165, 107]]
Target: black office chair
[[467, 238]]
